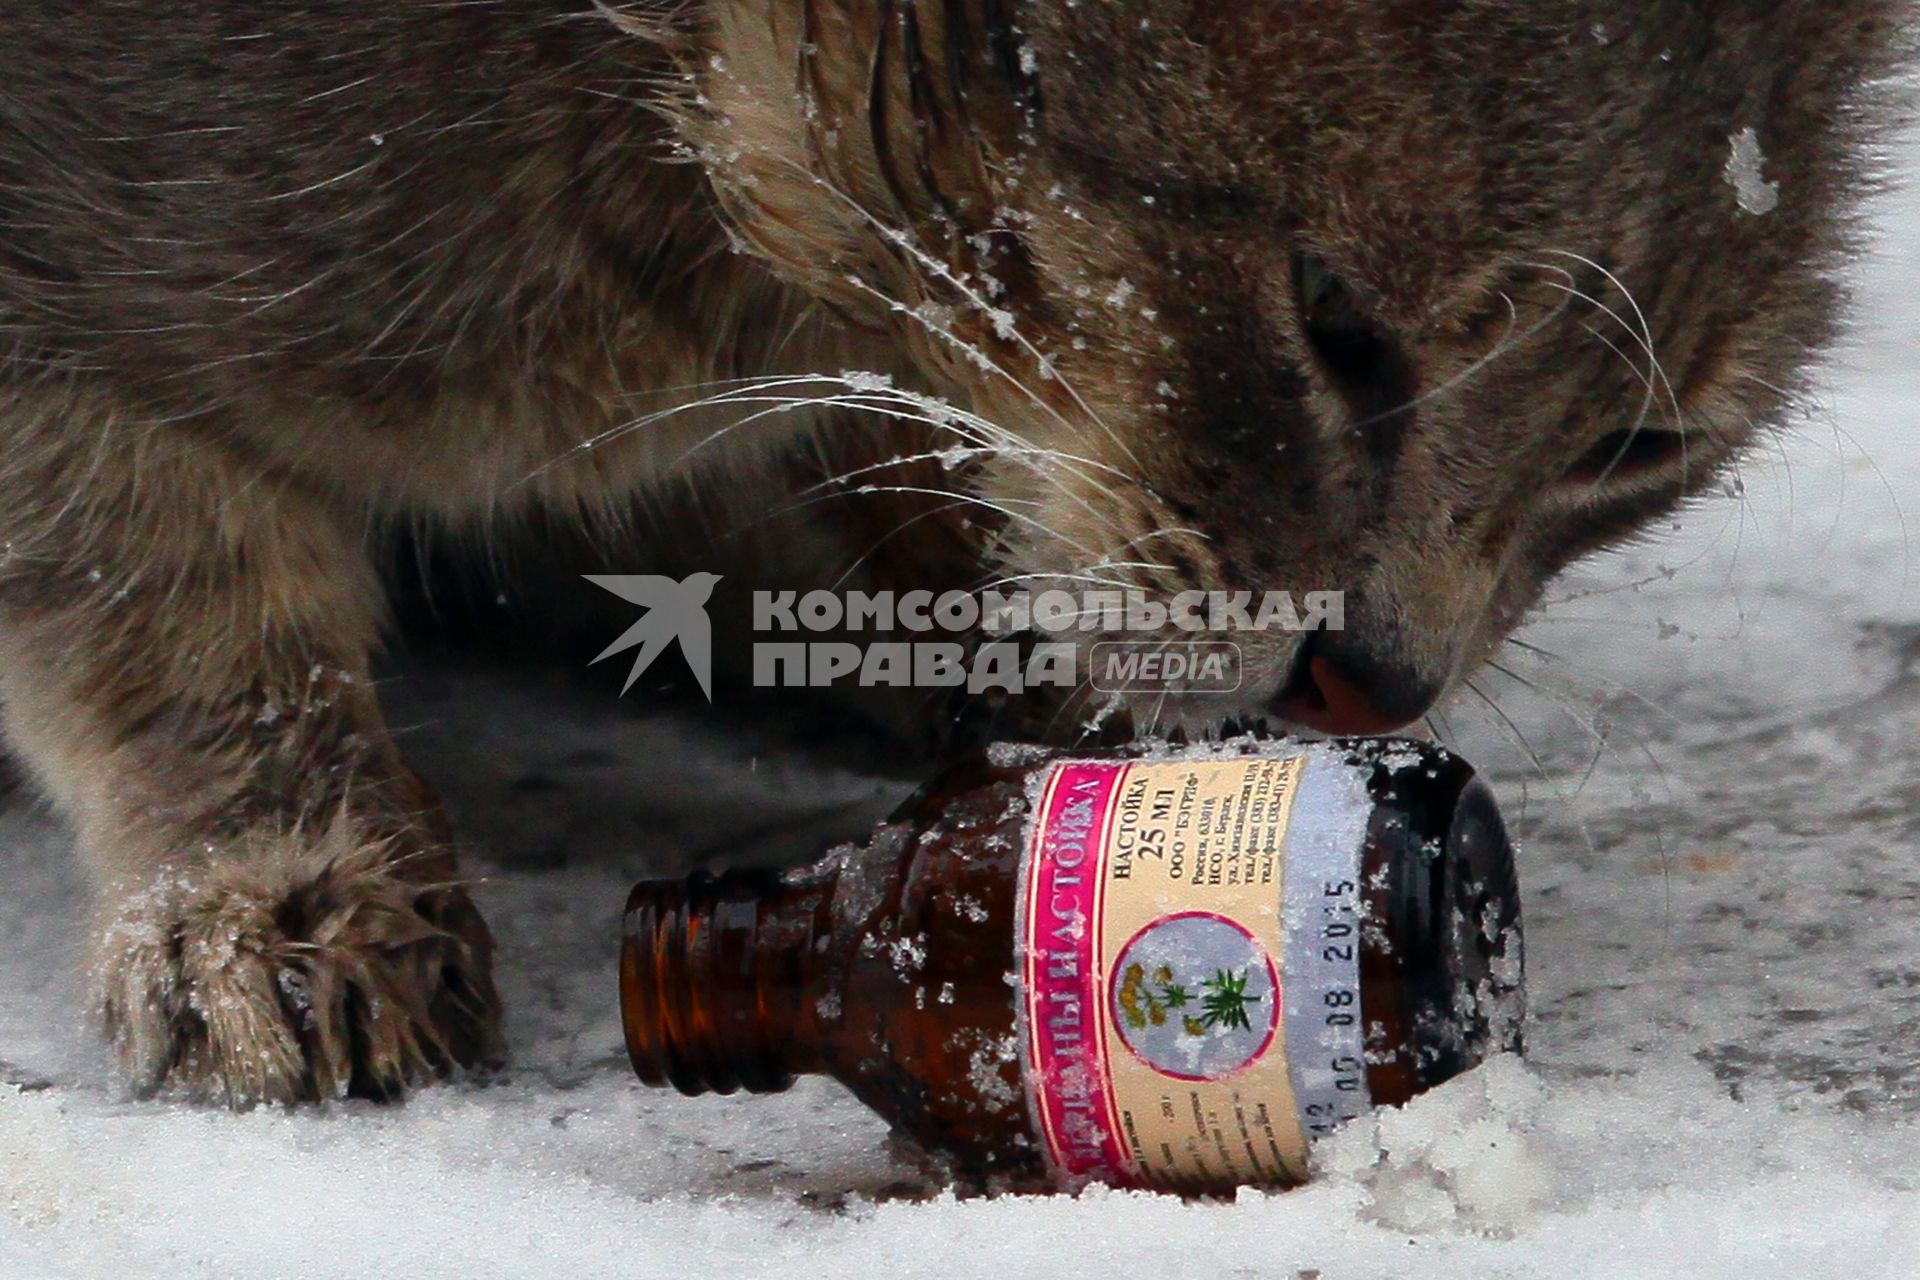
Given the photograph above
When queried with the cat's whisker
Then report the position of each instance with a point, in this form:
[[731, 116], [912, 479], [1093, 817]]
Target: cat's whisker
[[1088, 577], [979, 357], [1032, 459], [1646, 405], [990, 440], [1166, 691], [1174, 531], [869, 395], [1001, 506], [1506, 343], [1005, 323], [1073, 702], [1571, 708], [1662, 573], [899, 528], [903, 240], [954, 456], [1644, 335], [1505, 726], [1603, 745], [1649, 377], [1517, 737], [1103, 562], [1572, 692], [1840, 435], [767, 384], [1652, 378]]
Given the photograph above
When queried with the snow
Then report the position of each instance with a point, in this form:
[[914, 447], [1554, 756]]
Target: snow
[[1744, 161], [1723, 910]]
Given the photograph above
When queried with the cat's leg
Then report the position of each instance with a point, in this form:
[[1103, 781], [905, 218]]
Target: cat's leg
[[183, 660]]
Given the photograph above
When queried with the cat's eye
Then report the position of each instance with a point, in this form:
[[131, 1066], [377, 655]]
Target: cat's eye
[[1627, 454], [1318, 287], [1359, 355]]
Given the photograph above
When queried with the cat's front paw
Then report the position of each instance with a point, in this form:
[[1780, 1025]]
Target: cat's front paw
[[289, 968]]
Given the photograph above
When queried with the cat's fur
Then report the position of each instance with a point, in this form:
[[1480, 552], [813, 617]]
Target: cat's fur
[[1272, 294]]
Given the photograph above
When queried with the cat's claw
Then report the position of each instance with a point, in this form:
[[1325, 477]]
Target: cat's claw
[[299, 972]]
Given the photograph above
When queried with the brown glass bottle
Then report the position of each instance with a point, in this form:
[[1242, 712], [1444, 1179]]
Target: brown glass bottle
[[1030, 971]]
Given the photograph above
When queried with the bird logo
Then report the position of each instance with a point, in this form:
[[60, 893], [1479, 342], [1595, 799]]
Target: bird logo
[[676, 610]]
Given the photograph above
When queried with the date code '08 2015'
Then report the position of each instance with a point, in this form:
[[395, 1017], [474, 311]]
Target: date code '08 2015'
[[1339, 938]]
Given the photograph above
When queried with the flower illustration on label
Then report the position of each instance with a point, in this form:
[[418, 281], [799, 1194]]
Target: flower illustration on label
[[1195, 996]]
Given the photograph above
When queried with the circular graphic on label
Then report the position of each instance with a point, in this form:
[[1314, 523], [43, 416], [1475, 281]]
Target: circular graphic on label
[[1195, 996]]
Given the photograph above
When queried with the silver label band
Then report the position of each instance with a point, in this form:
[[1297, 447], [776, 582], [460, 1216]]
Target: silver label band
[[1321, 916]]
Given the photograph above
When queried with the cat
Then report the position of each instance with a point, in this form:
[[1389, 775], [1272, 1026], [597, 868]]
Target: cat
[[1416, 302]]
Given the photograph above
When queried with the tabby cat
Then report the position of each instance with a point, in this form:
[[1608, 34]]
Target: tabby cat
[[1415, 301]]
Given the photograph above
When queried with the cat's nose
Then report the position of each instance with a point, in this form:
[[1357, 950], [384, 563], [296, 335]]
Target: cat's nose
[[1339, 692]]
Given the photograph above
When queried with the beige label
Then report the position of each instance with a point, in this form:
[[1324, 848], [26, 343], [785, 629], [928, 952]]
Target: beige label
[[1175, 1054]]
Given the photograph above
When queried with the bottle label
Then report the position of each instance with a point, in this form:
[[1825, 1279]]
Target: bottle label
[[1190, 972]]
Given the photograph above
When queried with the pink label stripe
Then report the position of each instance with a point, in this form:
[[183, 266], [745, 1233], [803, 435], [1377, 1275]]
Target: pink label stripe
[[1067, 1076]]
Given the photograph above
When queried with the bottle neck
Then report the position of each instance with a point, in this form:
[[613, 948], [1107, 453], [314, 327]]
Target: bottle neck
[[718, 979]]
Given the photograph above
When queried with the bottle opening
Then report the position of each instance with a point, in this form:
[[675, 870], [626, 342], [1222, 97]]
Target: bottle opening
[[692, 998]]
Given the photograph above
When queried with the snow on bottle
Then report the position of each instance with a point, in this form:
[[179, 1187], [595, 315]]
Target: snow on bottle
[[1165, 968]]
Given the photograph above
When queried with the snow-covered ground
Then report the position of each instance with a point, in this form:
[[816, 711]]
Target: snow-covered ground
[[1723, 912]]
